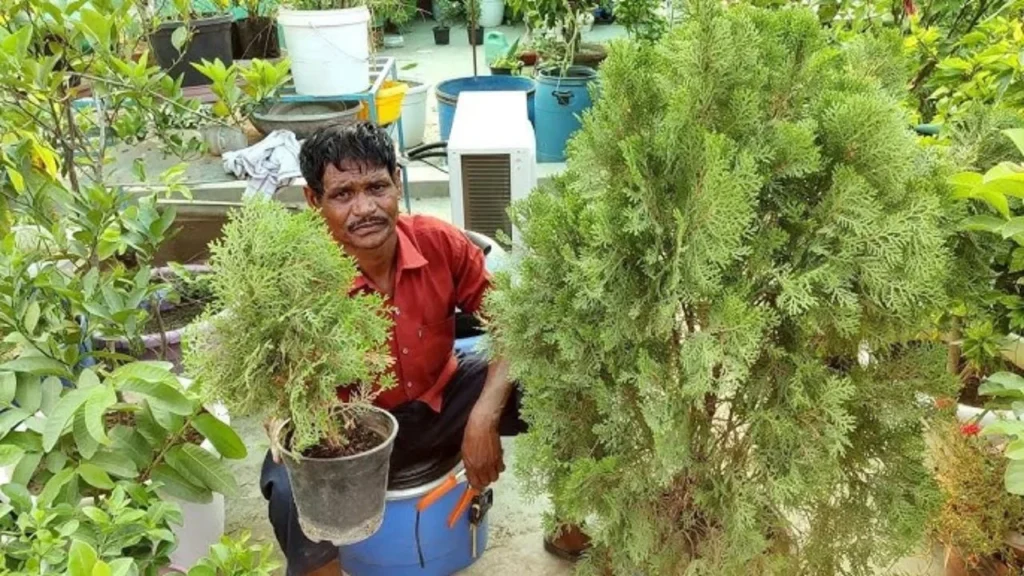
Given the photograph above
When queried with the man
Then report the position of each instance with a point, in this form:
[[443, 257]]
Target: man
[[425, 269]]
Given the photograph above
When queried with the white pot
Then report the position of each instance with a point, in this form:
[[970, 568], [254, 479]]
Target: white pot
[[329, 49], [220, 139], [492, 13], [414, 112], [965, 413]]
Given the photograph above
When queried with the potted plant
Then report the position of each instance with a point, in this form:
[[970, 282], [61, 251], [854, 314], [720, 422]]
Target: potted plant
[[185, 34], [240, 91], [474, 30], [256, 33], [285, 336], [979, 518], [446, 13], [508, 63], [329, 45], [718, 417]]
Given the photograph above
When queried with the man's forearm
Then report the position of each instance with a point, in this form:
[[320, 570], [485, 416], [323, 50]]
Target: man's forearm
[[496, 391]]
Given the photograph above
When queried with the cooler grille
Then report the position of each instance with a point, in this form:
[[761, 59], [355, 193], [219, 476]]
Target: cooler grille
[[487, 192]]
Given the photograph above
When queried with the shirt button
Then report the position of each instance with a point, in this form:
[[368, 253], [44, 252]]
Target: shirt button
[[405, 350], [397, 311], [409, 384]]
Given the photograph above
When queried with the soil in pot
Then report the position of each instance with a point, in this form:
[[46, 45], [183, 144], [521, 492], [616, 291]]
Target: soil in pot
[[441, 35], [501, 71], [340, 492], [255, 37]]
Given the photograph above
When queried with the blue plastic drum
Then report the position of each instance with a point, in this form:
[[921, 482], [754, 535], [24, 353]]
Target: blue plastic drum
[[448, 94], [561, 101], [397, 548]]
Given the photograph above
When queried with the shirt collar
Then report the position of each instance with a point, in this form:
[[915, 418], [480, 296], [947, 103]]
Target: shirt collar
[[408, 257]]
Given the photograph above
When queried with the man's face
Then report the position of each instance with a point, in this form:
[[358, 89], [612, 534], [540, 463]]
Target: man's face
[[359, 203]]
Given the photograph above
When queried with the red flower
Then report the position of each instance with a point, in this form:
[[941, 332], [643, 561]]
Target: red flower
[[943, 403], [909, 8], [971, 429]]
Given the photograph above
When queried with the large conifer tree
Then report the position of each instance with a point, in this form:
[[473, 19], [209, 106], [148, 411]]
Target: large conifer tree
[[744, 213]]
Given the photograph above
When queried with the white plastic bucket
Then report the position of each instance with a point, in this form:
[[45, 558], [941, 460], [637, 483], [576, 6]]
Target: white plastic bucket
[[414, 112], [329, 49], [492, 13]]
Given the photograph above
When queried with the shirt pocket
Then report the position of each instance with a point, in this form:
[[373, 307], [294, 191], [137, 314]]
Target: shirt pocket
[[435, 343]]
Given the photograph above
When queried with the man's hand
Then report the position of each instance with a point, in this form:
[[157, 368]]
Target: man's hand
[[481, 449]]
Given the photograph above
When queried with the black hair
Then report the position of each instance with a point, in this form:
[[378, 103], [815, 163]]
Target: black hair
[[363, 143]]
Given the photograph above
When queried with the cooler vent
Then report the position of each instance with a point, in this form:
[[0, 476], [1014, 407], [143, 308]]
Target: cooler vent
[[487, 193]]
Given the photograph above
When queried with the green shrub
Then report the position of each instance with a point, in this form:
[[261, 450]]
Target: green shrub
[[283, 333], [717, 311]]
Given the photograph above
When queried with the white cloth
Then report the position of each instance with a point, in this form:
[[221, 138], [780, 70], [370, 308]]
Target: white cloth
[[268, 165]]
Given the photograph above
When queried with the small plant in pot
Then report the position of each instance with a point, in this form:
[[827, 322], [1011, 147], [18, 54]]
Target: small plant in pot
[[474, 32], [239, 91], [508, 64], [287, 340], [447, 12]]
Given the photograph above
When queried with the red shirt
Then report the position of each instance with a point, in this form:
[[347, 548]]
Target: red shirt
[[437, 269]]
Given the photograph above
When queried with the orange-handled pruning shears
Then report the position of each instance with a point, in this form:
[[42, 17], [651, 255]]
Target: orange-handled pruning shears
[[445, 487]]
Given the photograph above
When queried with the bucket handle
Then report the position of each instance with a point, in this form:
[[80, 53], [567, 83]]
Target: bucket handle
[[563, 97]]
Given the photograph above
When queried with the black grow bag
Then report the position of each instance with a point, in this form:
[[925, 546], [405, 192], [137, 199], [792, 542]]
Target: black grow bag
[[211, 39]]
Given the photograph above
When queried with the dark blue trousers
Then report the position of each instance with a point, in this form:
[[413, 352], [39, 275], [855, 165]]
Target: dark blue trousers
[[422, 434]]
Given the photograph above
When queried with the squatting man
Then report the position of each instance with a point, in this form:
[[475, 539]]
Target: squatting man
[[425, 269]]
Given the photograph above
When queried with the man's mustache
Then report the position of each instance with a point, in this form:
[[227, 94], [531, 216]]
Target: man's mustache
[[368, 221]]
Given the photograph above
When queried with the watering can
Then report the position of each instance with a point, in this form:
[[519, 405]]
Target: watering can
[[495, 46]]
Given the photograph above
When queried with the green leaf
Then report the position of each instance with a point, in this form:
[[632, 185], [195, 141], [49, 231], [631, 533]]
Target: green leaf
[[173, 484], [10, 418], [964, 182], [10, 455], [996, 200], [8, 386], [94, 413], [101, 569], [179, 37], [81, 559], [26, 468], [1015, 450], [151, 430], [29, 394], [51, 390], [982, 223], [222, 436], [87, 445], [1003, 384], [1014, 478], [159, 393], [38, 365], [88, 379], [123, 567], [1017, 135], [54, 485], [201, 571], [208, 468], [17, 496], [95, 476], [31, 318], [117, 463], [130, 443], [62, 414], [55, 461]]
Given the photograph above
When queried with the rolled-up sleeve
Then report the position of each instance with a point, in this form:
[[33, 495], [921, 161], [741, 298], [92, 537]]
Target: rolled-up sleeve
[[469, 271]]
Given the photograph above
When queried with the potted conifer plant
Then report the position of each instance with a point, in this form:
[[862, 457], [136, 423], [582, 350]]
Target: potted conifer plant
[[702, 401], [284, 337], [445, 13]]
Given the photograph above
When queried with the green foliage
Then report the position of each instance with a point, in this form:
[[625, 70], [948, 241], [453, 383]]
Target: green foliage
[[977, 512], [237, 100], [448, 12], [128, 531], [1007, 392], [234, 556], [284, 333], [716, 312]]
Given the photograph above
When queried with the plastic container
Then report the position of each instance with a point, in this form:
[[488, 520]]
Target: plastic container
[[561, 100], [341, 500], [492, 13], [414, 113], [389, 102], [329, 49], [448, 95], [211, 39], [394, 551], [495, 46]]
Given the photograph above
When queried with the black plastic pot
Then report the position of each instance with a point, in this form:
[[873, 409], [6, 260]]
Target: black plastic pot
[[476, 36], [341, 500], [441, 35], [255, 37], [211, 38], [501, 71]]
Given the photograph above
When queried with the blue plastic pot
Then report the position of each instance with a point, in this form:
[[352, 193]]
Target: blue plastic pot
[[561, 101], [448, 95]]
